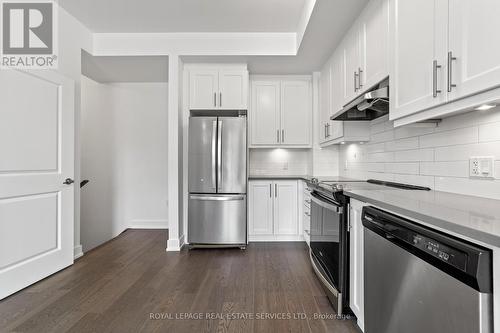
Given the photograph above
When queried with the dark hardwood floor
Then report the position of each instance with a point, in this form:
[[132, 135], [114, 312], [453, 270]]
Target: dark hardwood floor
[[129, 283]]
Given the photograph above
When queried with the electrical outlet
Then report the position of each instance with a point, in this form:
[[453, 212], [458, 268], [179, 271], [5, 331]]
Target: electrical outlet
[[482, 167]]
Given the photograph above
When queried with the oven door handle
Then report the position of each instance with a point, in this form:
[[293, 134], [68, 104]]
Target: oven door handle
[[327, 205]]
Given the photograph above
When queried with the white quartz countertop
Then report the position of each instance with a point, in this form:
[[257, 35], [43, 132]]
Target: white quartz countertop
[[472, 217]]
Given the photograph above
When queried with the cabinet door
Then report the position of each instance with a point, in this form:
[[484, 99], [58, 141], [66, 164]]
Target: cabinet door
[[374, 48], [473, 27], [203, 88], [356, 283], [296, 104], [336, 128], [415, 50], [233, 89], [265, 113], [285, 207], [260, 208], [324, 102], [352, 64]]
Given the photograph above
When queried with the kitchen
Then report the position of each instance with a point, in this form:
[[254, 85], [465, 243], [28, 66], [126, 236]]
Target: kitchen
[[344, 185]]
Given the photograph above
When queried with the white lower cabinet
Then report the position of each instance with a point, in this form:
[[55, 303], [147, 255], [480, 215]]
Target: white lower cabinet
[[273, 212], [356, 271]]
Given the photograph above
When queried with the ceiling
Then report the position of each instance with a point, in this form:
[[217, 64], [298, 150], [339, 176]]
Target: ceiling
[[329, 22], [187, 15], [125, 69]]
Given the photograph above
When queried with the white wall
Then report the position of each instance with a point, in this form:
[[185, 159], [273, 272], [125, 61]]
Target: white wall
[[433, 157], [73, 37], [124, 155]]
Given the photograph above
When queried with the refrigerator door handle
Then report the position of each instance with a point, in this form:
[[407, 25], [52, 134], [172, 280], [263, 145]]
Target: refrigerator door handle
[[214, 154], [217, 198], [219, 155]]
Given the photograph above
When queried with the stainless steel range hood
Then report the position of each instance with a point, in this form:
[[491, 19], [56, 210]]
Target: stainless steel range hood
[[370, 105]]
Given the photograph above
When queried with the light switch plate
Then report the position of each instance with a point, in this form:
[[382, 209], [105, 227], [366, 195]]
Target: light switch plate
[[482, 167]]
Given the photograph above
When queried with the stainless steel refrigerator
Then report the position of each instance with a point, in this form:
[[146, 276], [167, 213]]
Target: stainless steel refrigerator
[[217, 208]]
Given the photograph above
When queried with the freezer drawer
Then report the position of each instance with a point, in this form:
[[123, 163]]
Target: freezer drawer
[[217, 219]]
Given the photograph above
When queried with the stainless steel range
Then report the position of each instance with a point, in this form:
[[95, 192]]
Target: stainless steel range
[[329, 233], [330, 241]]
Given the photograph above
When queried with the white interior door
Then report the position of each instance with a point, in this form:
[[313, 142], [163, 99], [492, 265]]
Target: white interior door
[[36, 156]]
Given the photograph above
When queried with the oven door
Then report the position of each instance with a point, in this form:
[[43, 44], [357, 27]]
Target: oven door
[[327, 246]]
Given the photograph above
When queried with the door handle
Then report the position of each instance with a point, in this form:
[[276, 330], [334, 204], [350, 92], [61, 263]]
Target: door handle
[[214, 154], [219, 155], [451, 58], [435, 90], [68, 181]]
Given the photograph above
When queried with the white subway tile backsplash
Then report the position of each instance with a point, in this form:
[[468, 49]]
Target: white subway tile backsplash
[[408, 131], [464, 152], [382, 137], [489, 132], [402, 144], [449, 138], [449, 169], [434, 157], [402, 168], [416, 155]]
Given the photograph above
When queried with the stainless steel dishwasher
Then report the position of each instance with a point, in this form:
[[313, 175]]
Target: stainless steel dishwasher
[[421, 280]]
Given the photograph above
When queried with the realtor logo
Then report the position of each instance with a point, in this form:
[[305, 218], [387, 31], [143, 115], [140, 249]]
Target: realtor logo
[[28, 34]]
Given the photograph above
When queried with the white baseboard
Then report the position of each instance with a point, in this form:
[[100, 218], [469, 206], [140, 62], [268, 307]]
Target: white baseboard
[[173, 245], [276, 238], [148, 224], [77, 251]]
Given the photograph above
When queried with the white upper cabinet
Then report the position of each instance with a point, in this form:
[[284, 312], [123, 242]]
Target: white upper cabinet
[[352, 64], [366, 50], [324, 102], [474, 48], [281, 112], [295, 112], [449, 58], [417, 78], [203, 88], [212, 88], [265, 112], [374, 43], [233, 89]]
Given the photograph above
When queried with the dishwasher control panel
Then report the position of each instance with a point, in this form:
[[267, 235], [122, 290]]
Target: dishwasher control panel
[[445, 253]]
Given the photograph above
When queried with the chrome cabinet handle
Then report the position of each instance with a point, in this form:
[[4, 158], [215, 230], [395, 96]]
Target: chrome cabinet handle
[[282, 135], [435, 90], [278, 136], [270, 190], [359, 77], [451, 58], [215, 99], [220, 99], [324, 130], [276, 190], [355, 83], [328, 130]]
